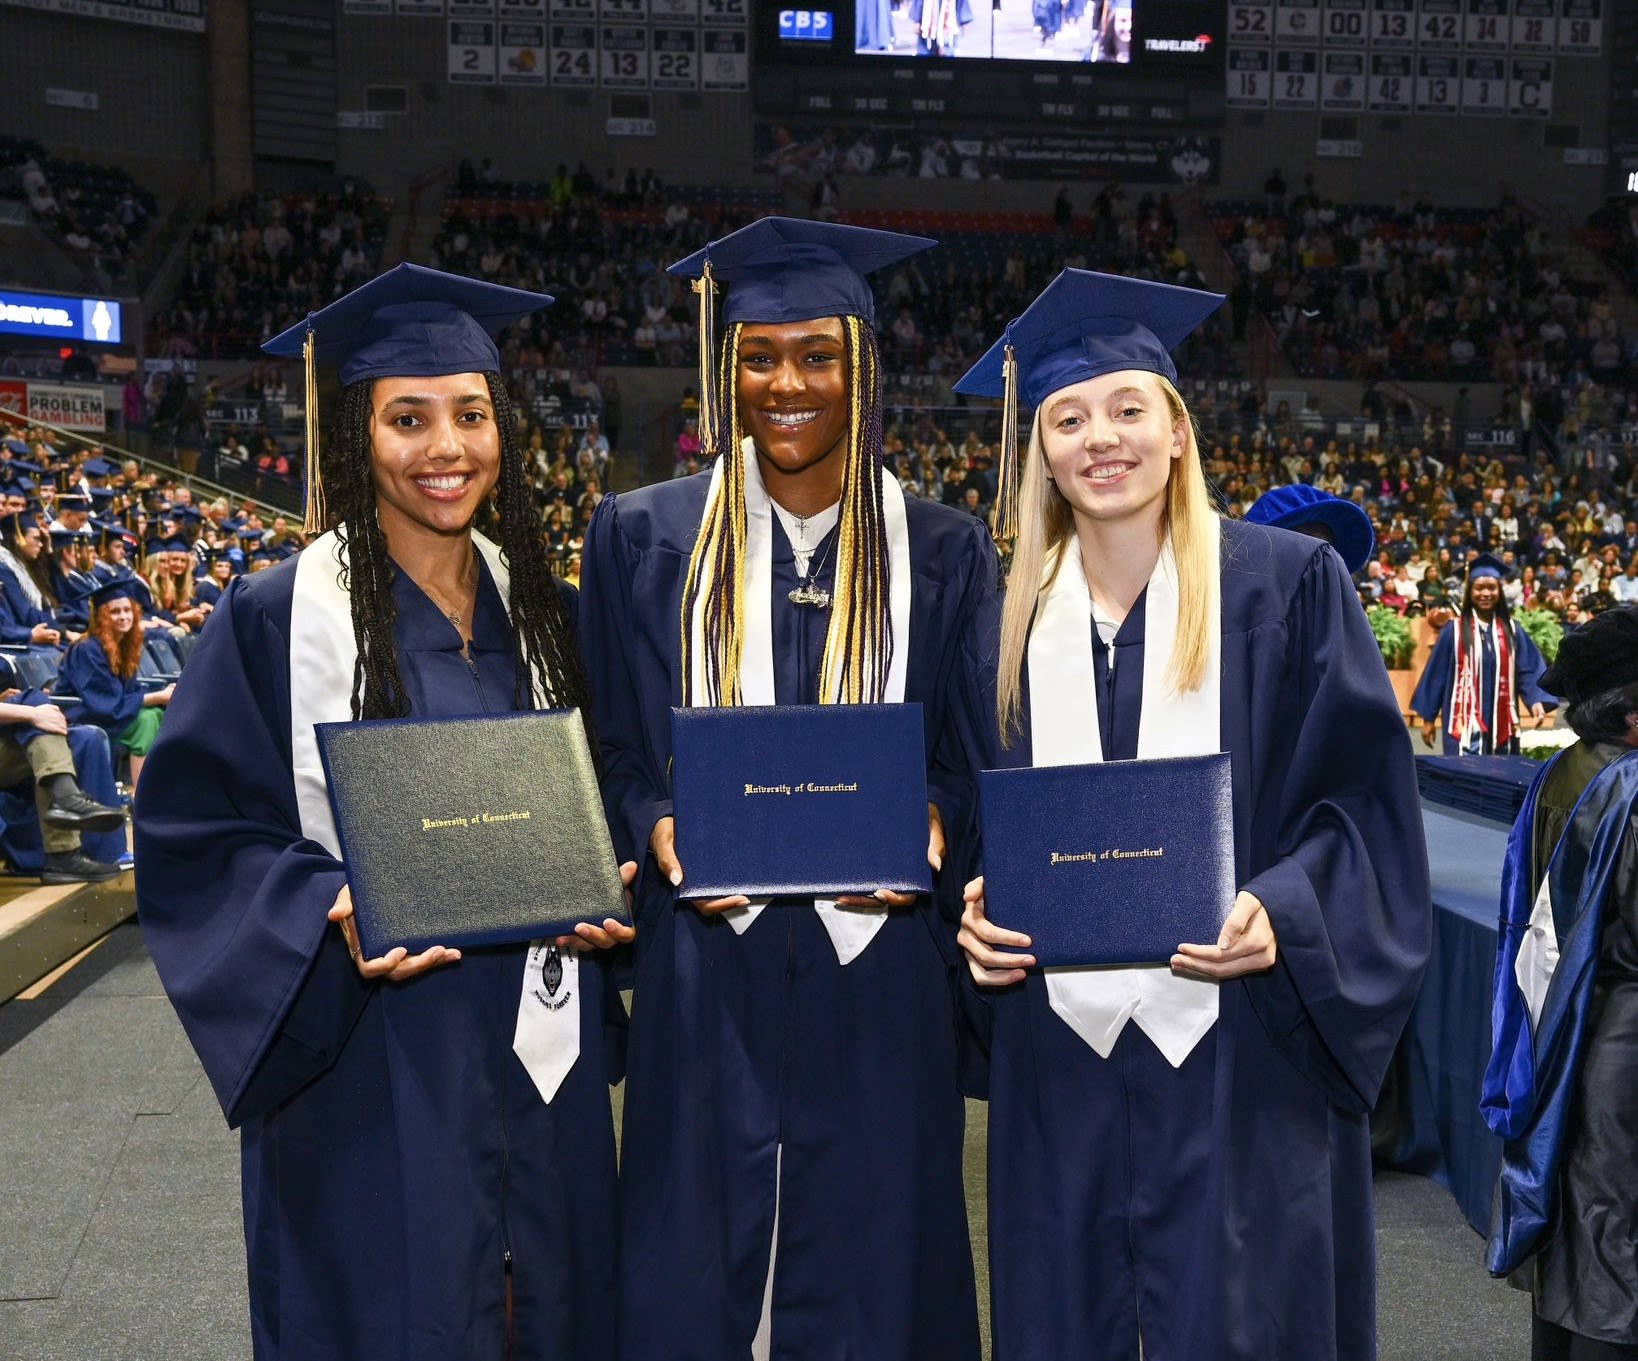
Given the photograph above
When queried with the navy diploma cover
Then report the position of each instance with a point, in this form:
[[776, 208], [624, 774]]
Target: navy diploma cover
[[1111, 863], [470, 831], [800, 800]]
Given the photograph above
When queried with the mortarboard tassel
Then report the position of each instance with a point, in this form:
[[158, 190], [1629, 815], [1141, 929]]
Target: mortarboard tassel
[[706, 287], [314, 518], [1004, 515]]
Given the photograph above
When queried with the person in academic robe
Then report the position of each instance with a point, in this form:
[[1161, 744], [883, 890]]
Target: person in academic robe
[[1320, 515], [101, 672], [1179, 1154], [26, 616], [1483, 671], [1562, 1086], [428, 1157], [791, 1155]]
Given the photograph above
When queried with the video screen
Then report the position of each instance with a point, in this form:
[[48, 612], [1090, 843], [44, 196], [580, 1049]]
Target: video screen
[[1015, 30]]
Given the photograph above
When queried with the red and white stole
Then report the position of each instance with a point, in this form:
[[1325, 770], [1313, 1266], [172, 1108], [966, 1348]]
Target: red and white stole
[[1471, 712]]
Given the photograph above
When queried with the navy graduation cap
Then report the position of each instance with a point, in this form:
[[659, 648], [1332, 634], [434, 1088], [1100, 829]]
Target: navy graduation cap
[[130, 587], [1082, 325], [1085, 324], [782, 269], [411, 322], [1488, 565]]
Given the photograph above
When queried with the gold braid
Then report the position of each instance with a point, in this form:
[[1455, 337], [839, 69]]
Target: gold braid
[[859, 639]]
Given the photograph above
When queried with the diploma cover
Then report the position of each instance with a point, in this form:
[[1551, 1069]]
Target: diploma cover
[[800, 800], [470, 831], [1113, 863]]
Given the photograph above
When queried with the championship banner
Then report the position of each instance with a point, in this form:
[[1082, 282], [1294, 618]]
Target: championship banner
[[727, 61], [186, 15], [72, 407], [471, 53], [1342, 84], [1297, 21], [522, 54]]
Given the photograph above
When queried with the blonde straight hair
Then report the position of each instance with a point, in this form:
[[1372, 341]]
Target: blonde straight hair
[[1047, 530]]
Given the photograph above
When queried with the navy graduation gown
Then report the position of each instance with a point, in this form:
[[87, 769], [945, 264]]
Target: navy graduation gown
[[744, 1044], [108, 700], [1436, 689], [1225, 1207], [395, 1151]]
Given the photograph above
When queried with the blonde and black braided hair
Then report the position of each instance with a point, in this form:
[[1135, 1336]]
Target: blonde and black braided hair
[[859, 644]]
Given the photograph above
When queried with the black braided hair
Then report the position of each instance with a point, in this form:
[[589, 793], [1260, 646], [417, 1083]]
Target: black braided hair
[[542, 635]]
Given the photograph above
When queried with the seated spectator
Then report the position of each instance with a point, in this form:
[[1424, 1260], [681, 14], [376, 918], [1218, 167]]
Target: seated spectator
[[101, 671]]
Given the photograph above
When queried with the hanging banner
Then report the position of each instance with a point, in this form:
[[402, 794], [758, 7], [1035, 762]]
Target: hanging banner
[[1393, 83], [1345, 23], [675, 63], [522, 54], [471, 53], [1484, 86], [187, 15], [1581, 28], [1530, 87], [573, 54], [1486, 28], [726, 63], [623, 57], [1296, 80], [1438, 84], [1439, 26], [1342, 83], [1251, 21], [1249, 77]]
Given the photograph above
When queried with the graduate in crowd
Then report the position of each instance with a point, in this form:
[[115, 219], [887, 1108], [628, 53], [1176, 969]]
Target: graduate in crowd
[[791, 1157], [1483, 671], [101, 671], [428, 1153], [1562, 1086], [1179, 1157], [27, 617]]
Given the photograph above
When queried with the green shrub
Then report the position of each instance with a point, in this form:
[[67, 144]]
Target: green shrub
[[1393, 636], [1545, 628]]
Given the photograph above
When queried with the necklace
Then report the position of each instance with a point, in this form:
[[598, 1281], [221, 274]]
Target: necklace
[[806, 591], [455, 615]]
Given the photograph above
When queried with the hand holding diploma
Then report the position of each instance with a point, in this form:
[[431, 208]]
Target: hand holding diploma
[[610, 933], [936, 846], [991, 966], [397, 965], [662, 843], [1245, 946]]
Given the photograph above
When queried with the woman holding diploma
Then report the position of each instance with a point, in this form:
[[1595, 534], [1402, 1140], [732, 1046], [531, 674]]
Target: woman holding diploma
[[428, 1155], [1179, 1154], [791, 1155]]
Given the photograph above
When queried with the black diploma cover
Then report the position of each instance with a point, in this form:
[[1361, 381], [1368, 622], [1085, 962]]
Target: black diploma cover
[[800, 800], [1112, 863], [470, 831]]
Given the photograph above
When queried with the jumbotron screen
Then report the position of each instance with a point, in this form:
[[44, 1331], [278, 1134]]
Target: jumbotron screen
[[1181, 34]]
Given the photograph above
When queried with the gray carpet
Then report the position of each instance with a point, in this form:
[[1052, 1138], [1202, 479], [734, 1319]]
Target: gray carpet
[[119, 1218]]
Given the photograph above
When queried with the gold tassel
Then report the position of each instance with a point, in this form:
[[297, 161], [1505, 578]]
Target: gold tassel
[[1004, 514], [313, 522], [706, 287]]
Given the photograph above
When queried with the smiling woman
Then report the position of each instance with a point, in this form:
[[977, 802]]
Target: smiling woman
[[428, 1152], [1191, 1135]]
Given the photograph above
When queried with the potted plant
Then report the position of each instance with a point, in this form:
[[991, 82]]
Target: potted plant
[[1396, 643]]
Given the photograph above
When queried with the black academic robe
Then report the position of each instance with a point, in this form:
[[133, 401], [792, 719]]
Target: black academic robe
[[1227, 1203], [743, 1044], [395, 1151]]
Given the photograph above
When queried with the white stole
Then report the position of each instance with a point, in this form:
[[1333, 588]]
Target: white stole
[[323, 656], [850, 929], [1097, 1002]]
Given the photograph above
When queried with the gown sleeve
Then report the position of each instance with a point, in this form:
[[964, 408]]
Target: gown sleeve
[[231, 896], [1528, 664], [632, 794], [1433, 689], [105, 699], [1347, 886]]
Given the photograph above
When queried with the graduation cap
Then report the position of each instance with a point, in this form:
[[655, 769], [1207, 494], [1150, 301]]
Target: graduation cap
[[98, 467], [61, 533], [1597, 656], [1488, 565], [410, 322], [23, 465], [251, 536], [1295, 506], [784, 269], [74, 501], [18, 523], [191, 514], [16, 446], [128, 587], [1082, 325]]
